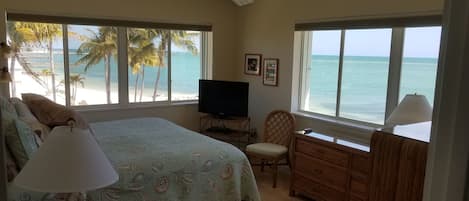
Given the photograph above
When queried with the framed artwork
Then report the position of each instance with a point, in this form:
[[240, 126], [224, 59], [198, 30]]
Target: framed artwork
[[252, 64], [270, 72]]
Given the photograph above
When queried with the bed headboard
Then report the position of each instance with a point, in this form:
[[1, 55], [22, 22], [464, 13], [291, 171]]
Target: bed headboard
[[3, 173]]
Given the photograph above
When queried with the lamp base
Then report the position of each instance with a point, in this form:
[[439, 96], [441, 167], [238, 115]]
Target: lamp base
[[70, 197]]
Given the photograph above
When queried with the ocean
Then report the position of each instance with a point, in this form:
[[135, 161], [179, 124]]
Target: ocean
[[185, 73], [364, 84], [364, 80]]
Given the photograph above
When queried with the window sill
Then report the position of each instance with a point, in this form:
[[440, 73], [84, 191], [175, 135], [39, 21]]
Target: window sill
[[131, 106], [344, 122], [340, 128]]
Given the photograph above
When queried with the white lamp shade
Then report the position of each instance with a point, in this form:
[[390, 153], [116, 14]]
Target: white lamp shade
[[412, 109], [69, 161]]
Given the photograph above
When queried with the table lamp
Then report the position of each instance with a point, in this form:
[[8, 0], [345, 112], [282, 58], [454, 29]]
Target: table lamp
[[69, 161], [412, 109]]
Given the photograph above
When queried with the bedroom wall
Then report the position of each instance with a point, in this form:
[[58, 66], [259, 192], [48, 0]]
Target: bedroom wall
[[267, 27], [219, 13]]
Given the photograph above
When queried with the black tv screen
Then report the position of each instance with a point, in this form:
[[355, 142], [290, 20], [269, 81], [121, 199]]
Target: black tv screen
[[223, 98]]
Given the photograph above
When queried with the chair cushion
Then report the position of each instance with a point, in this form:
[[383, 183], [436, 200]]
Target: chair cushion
[[267, 149]]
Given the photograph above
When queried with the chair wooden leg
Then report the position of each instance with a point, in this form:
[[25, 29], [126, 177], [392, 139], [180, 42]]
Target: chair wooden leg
[[275, 172], [262, 165]]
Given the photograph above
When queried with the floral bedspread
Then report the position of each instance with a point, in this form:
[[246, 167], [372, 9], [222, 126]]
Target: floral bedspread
[[160, 161]]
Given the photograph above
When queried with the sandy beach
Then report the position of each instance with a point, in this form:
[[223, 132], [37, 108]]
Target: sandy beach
[[92, 93]]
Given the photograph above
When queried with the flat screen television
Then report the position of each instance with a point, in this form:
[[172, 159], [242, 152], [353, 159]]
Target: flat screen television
[[223, 98]]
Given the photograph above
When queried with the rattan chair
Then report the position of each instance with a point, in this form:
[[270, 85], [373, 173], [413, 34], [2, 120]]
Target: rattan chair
[[278, 129]]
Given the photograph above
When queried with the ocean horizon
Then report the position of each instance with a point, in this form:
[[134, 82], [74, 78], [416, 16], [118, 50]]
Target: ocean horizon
[[185, 72], [364, 84], [359, 72]]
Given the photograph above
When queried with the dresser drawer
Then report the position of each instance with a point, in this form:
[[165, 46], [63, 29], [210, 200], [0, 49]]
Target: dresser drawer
[[323, 153], [321, 171], [353, 198], [361, 164], [316, 190], [359, 187]]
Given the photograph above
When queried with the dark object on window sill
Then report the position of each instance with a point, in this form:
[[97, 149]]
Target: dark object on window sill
[[307, 130]]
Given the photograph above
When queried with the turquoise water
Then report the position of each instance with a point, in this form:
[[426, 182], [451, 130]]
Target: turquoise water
[[364, 84], [364, 81], [185, 72]]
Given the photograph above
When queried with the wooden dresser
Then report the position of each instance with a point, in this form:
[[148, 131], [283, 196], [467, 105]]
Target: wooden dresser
[[392, 169], [330, 169]]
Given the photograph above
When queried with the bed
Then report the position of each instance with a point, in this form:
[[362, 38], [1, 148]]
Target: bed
[[159, 160]]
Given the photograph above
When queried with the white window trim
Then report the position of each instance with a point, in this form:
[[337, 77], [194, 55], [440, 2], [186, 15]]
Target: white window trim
[[66, 64], [122, 68], [206, 41], [395, 68], [303, 40]]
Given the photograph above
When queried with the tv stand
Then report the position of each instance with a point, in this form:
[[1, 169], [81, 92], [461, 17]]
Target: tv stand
[[224, 117], [220, 129], [234, 130]]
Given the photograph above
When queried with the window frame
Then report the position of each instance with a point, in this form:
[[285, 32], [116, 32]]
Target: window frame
[[205, 53], [393, 79]]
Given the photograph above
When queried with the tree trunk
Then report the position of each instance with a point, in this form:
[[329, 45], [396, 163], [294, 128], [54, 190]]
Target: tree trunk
[[74, 93], [12, 75], [155, 89], [136, 87], [142, 85], [107, 77], [52, 69]]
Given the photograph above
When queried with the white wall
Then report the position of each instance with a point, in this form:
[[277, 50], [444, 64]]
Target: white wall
[[221, 14], [447, 165], [267, 27]]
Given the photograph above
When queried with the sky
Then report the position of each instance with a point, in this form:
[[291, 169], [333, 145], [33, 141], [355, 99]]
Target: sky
[[418, 42], [74, 43]]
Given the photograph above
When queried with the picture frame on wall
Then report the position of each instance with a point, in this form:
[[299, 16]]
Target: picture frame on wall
[[270, 74], [252, 64]]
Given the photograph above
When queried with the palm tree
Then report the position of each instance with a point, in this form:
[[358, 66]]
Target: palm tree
[[74, 81], [45, 34], [102, 45], [178, 38], [20, 36], [142, 53]]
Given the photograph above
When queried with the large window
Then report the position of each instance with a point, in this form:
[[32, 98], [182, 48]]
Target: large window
[[148, 69], [348, 73], [74, 64], [420, 60], [92, 54], [37, 65], [365, 69], [186, 65], [323, 72]]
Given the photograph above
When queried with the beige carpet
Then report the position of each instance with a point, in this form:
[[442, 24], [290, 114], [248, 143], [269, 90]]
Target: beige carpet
[[264, 183]]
